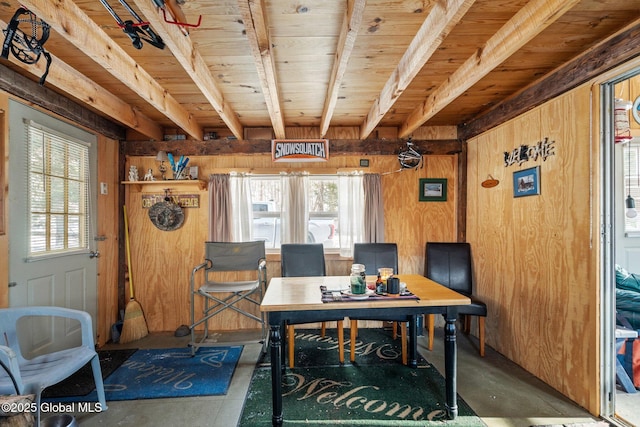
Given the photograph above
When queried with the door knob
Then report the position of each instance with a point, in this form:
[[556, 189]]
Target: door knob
[[94, 254]]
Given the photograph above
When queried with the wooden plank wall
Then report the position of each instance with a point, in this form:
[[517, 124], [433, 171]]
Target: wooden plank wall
[[536, 258], [4, 181], [110, 212], [162, 261]]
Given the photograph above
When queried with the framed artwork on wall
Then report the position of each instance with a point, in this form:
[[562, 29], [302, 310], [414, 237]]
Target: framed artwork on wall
[[433, 190], [526, 182]]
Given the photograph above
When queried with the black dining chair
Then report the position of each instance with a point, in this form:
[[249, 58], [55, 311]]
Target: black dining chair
[[374, 256], [307, 259], [449, 264]]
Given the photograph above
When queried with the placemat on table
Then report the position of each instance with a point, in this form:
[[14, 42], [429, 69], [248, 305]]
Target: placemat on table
[[328, 296]]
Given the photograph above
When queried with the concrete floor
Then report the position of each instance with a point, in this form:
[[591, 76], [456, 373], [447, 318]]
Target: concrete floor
[[628, 407], [500, 392]]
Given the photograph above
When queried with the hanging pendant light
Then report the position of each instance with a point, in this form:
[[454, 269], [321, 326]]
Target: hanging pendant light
[[631, 207], [629, 202]]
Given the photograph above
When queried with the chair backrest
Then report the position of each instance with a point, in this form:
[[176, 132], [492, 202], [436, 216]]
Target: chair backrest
[[450, 265], [302, 259], [234, 256], [15, 321], [376, 255]]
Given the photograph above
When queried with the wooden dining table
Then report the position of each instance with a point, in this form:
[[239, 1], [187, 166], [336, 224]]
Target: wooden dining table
[[300, 300]]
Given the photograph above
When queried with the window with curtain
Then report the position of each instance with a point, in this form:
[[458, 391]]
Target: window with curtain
[[58, 192], [295, 208]]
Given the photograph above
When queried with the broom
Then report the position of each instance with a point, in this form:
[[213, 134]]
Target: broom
[[134, 326]]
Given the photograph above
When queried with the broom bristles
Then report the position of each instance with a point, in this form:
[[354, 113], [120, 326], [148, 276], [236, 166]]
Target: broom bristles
[[134, 326]]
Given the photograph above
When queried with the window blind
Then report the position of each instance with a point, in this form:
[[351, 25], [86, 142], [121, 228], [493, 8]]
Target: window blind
[[58, 191]]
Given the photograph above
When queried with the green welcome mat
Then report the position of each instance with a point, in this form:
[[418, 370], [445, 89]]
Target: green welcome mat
[[375, 390], [389, 395], [373, 346]]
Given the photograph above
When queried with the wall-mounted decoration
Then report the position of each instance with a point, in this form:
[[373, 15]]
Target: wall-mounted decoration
[[490, 182], [526, 182], [166, 215], [182, 200], [433, 190], [299, 150], [524, 153]]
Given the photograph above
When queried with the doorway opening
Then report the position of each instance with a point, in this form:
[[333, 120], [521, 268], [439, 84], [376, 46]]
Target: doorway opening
[[620, 126]]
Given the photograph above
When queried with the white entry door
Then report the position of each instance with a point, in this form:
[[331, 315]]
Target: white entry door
[[61, 277]]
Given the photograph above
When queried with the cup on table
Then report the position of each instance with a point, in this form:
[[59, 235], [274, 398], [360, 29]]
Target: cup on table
[[393, 286], [403, 287]]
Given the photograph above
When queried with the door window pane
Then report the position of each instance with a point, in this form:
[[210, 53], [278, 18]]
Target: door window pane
[[58, 176]]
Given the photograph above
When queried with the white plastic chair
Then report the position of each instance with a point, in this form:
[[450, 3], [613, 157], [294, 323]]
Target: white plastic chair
[[31, 376]]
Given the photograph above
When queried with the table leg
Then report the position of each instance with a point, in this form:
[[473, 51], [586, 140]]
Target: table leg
[[450, 363], [413, 342], [284, 343], [276, 374]]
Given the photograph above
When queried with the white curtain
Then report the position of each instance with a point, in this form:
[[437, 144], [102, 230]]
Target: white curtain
[[351, 211], [242, 208], [294, 215], [219, 208], [373, 209]]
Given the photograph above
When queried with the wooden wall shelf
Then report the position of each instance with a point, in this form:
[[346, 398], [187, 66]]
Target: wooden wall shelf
[[171, 184]]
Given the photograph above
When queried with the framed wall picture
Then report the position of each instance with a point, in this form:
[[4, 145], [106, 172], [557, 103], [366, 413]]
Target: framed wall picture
[[433, 190], [526, 182]]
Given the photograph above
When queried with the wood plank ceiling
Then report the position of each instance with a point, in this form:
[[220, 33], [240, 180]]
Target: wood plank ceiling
[[370, 64]]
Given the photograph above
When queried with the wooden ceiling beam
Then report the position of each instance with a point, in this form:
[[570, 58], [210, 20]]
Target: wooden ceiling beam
[[606, 55], [530, 21], [27, 89], [257, 29], [442, 18], [186, 54], [346, 42], [77, 86], [67, 19]]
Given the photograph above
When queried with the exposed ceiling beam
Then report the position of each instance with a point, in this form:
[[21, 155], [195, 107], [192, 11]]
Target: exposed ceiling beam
[[77, 86], [607, 54], [16, 83], [255, 24], [346, 42], [67, 19], [439, 22], [524, 26], [192, 62]]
